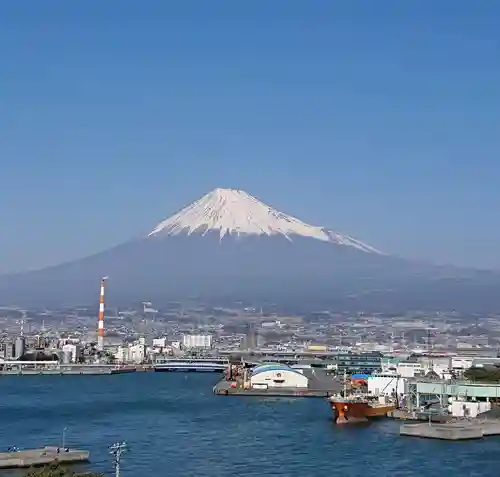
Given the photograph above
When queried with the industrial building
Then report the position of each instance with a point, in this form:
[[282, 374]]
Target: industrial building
[[72, 353], [122, 354], [137, 351], [277, 376]]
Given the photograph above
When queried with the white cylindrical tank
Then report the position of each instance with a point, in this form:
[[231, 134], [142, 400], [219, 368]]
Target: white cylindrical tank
[[66, 356]]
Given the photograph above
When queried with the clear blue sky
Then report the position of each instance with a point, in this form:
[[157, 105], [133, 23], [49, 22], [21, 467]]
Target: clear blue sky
[[380, 119]]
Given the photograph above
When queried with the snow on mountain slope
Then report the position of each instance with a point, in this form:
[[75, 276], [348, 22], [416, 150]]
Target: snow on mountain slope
[[230, 211]]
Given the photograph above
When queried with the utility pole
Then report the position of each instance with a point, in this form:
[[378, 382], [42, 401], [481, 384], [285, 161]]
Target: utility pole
[[117, 450]]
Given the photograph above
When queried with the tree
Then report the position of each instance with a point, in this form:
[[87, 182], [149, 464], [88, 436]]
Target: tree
[[55, 470], [489, 374], [110, 357]]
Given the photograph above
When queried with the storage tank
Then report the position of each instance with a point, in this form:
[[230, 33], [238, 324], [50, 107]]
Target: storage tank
[[66, 356], [19, 347]]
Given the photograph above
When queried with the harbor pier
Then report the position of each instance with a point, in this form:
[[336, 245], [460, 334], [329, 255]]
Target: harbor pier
[[44, 456], [452, 431], [35, 368], [224, 388], [278, 381]]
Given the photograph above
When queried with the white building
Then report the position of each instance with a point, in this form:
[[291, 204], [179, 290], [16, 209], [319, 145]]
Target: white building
[[159, 342], [429, 363], [468, 408], [461, 363], [271, 324], [122, 354], [277, 376], [386, 384], [197, 341], [137, 353], [442, 371], [407, 369], [73, 352]]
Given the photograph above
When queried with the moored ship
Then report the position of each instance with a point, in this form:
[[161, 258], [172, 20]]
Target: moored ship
[[359, 408]]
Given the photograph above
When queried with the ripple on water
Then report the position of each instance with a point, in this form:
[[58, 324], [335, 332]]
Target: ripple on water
[[175, 426]]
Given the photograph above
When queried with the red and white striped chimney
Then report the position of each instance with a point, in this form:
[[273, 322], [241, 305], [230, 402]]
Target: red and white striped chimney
[[100, 326]]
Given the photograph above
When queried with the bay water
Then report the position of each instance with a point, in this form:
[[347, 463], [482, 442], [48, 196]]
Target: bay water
[[175, 426]]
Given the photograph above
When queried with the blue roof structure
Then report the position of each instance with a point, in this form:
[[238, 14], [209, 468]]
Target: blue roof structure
[[273, 367]]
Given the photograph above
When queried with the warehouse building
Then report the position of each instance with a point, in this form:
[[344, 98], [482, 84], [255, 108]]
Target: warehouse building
[[277, 376]]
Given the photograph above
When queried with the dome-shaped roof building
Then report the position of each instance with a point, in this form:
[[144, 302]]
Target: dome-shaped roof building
[[277, 376]]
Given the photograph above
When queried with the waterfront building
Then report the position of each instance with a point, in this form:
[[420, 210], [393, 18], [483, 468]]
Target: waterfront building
[[277, 376]]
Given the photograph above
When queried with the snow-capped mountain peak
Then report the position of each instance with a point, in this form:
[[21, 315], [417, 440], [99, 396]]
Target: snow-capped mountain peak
[[232, 211]]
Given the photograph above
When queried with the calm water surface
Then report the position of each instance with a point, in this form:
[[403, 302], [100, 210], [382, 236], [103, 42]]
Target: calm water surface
[[175, 426]]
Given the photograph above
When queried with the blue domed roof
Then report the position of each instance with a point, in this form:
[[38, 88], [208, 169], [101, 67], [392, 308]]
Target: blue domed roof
[[273, 367]]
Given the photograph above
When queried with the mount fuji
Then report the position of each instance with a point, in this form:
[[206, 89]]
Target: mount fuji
[[230, 245], [234, 213]]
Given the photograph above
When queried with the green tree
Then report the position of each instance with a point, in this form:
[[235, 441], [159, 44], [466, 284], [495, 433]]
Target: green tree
[[56, 470], [490, 374]]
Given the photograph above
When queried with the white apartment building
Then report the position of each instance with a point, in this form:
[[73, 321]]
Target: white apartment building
[[197, 341]]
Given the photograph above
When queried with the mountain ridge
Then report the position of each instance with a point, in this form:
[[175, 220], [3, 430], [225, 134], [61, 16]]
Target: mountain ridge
[[230, 245]]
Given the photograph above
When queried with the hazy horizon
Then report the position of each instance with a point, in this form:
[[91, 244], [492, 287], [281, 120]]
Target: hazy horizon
[[377, 120]]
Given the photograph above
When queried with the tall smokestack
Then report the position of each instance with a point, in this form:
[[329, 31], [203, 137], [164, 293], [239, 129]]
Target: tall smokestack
[[100, 327]]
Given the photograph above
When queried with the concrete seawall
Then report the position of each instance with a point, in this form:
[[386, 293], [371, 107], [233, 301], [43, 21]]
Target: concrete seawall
[[72, 370], [39, 457]]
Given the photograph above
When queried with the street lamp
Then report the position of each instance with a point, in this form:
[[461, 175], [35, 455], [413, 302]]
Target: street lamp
[[64, 438]]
